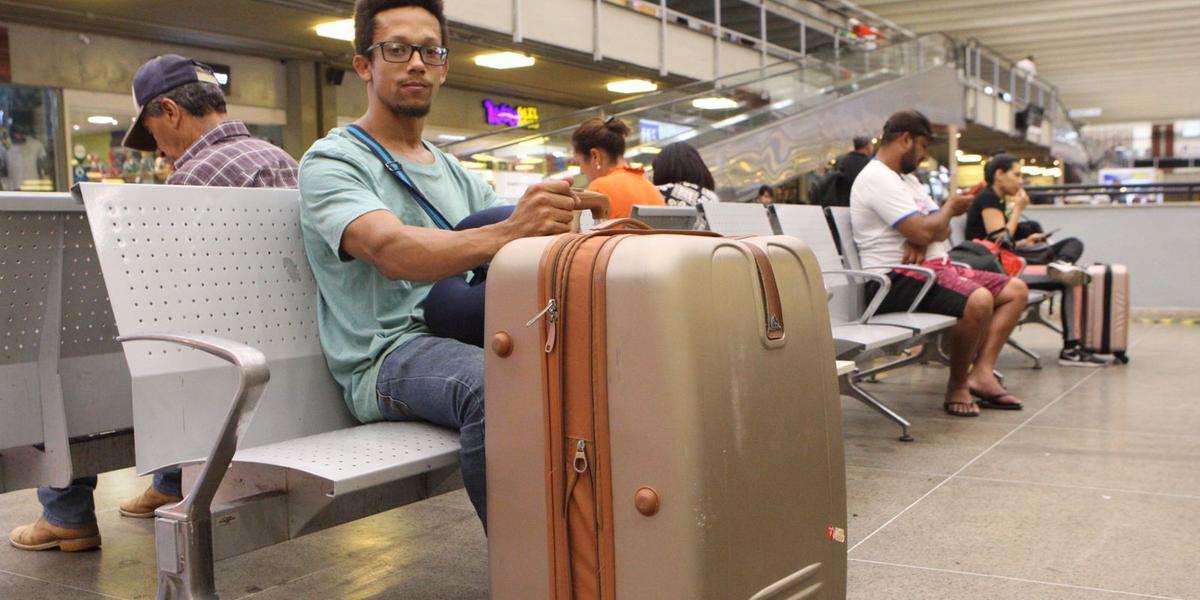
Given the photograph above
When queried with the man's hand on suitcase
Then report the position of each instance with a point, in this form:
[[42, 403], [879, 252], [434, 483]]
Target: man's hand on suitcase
[[545, 209]]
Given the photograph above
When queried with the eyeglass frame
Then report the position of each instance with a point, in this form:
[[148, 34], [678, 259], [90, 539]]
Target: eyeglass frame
[[412, 49]]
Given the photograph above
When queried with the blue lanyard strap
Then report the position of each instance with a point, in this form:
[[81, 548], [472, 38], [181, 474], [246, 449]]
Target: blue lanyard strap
[[394, 167]]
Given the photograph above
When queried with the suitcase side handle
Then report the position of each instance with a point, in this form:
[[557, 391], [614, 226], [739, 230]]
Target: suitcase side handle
[[772, 306], [626, 226]]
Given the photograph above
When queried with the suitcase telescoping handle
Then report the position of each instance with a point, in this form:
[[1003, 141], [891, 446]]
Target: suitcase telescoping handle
[[772, 305]]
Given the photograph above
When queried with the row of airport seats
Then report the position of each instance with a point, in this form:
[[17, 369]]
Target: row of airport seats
[[861, 334]]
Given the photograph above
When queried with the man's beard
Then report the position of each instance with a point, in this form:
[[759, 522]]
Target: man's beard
[[909, 162], [412, 111]]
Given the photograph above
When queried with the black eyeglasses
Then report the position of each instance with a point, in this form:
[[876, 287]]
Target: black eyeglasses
[[400, 52]]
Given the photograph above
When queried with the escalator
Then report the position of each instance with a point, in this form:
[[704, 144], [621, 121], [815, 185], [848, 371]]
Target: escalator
[[760, 126]]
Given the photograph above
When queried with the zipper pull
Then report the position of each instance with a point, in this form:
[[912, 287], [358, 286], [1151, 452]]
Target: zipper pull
[[578, 467], [551, 307]]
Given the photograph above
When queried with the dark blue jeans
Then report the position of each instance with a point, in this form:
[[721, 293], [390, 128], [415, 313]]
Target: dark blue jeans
[[73, 506], [440, 380]]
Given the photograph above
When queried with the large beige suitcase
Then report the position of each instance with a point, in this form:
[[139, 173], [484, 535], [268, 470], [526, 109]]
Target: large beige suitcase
[[669, 427]]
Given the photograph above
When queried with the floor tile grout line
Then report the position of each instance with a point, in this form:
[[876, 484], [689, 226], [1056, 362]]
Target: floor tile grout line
[[904, 471], [62, 585], [971, 462], [986, 450], [1118, 431], [1017, 579], [1082, 487]]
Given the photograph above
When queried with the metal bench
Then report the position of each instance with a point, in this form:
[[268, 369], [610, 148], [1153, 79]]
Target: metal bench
[[854, 337], [223, 271], [64, 386], [666, 217]]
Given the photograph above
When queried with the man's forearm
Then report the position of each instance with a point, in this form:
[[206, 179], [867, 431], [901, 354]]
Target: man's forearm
[[423, 254]]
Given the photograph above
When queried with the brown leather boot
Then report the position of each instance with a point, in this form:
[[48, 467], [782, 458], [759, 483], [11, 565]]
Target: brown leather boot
[[41, 535], [143, 505]]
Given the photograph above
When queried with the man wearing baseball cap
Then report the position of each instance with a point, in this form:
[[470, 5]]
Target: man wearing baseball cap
[[181, 114], [896, 222]]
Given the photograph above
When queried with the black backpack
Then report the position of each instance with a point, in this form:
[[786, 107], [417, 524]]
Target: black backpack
[[824, 191]]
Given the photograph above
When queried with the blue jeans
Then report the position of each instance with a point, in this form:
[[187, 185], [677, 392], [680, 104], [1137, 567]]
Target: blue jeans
[[440, 380], [73, 506]]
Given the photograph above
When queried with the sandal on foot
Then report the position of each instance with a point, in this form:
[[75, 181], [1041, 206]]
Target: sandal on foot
[[950, 411], [992, 401]]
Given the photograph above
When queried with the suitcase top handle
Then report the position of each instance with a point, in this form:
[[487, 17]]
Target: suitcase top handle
[[772, 306]]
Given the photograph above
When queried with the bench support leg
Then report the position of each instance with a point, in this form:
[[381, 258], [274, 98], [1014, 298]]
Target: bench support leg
[[1037, 360], [185, 559], [848, 387]]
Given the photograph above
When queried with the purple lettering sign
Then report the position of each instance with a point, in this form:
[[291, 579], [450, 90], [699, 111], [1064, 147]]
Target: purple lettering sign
[[500, 114]]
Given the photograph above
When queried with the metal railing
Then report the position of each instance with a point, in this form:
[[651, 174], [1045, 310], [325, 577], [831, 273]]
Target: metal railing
[[1118, 193]]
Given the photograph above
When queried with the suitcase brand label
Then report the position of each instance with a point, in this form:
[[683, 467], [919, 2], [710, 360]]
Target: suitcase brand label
[[836, 534]]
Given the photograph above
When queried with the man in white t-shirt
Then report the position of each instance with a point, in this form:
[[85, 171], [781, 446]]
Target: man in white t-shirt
[[896, 222]]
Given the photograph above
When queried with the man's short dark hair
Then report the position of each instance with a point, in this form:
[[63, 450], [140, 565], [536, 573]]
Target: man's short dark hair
[[766, 189], [364, 19], [999, 162], [679, 162], [861, 142], [909, 121], [198, 98]]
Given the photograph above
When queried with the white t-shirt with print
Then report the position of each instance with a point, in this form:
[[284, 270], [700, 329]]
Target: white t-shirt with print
[[879, 200]]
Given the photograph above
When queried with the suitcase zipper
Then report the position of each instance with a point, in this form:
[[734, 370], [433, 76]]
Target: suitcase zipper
[[578, 466], [551, 314]]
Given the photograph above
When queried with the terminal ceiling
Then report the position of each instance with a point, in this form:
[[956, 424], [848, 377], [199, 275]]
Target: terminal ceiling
[[284, 29], [1134, 60]]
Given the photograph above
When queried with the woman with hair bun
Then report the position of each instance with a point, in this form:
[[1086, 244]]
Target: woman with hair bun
[[599, 146]]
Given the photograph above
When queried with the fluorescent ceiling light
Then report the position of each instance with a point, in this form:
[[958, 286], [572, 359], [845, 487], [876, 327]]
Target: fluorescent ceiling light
[[687, 135], [524, 167], [969, 158], [989, 90], [451, 138], [531, 160], [101, 120], [782, 104], [631, 86], [504, 60], [337, 30], [1030, 170], [730, 121], [75, 127], [470, 164], [484, 158], [714, 103], [1085, 113], [638, 150]]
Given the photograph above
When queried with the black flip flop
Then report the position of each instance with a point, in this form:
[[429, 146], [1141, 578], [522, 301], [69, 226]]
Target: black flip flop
[[992, 401], [946, 407]]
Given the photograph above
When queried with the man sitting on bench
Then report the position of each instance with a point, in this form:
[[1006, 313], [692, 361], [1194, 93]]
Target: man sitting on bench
[[378, 206], [896, 222], [183, 116]]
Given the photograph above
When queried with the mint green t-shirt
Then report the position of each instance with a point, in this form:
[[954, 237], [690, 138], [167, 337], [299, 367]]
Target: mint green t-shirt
[[363, 315]]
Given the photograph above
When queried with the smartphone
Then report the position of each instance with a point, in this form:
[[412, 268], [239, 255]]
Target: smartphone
[[975, 190], [1052, 232]]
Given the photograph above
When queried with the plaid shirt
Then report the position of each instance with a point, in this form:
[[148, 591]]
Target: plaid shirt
[[228, 156]]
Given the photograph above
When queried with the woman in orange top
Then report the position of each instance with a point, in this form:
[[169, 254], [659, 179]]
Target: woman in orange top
[[599, 146]]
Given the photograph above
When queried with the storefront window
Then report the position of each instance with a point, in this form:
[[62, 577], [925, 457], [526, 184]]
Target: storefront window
[[29, 129]]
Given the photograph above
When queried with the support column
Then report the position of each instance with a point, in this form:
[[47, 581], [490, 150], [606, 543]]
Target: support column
[[302, 107]]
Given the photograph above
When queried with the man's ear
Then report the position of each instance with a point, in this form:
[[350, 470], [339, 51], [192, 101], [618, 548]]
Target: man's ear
[[362, 66], [172, 113], [445, 70]]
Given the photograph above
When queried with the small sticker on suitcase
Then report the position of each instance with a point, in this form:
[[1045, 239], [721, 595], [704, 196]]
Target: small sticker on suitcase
[[836, 534]]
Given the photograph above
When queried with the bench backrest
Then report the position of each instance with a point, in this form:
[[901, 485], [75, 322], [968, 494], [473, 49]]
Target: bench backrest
[[227, 262], [737, 218], [808, 223], [667, 217], [841, 220]]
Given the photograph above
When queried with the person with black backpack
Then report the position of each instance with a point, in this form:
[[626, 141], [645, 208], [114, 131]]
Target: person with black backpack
[[833, 188]]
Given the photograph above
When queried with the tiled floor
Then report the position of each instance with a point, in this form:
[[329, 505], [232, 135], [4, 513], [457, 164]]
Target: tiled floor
[[1091, 493]]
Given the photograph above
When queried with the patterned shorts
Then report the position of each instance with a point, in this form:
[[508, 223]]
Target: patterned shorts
[[949, 294]]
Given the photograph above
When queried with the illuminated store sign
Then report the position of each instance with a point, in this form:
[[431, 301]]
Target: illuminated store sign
[[495, 113]]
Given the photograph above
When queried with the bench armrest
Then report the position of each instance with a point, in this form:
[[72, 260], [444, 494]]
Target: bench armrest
[[930, 279], [885, 285], [253, 374]]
